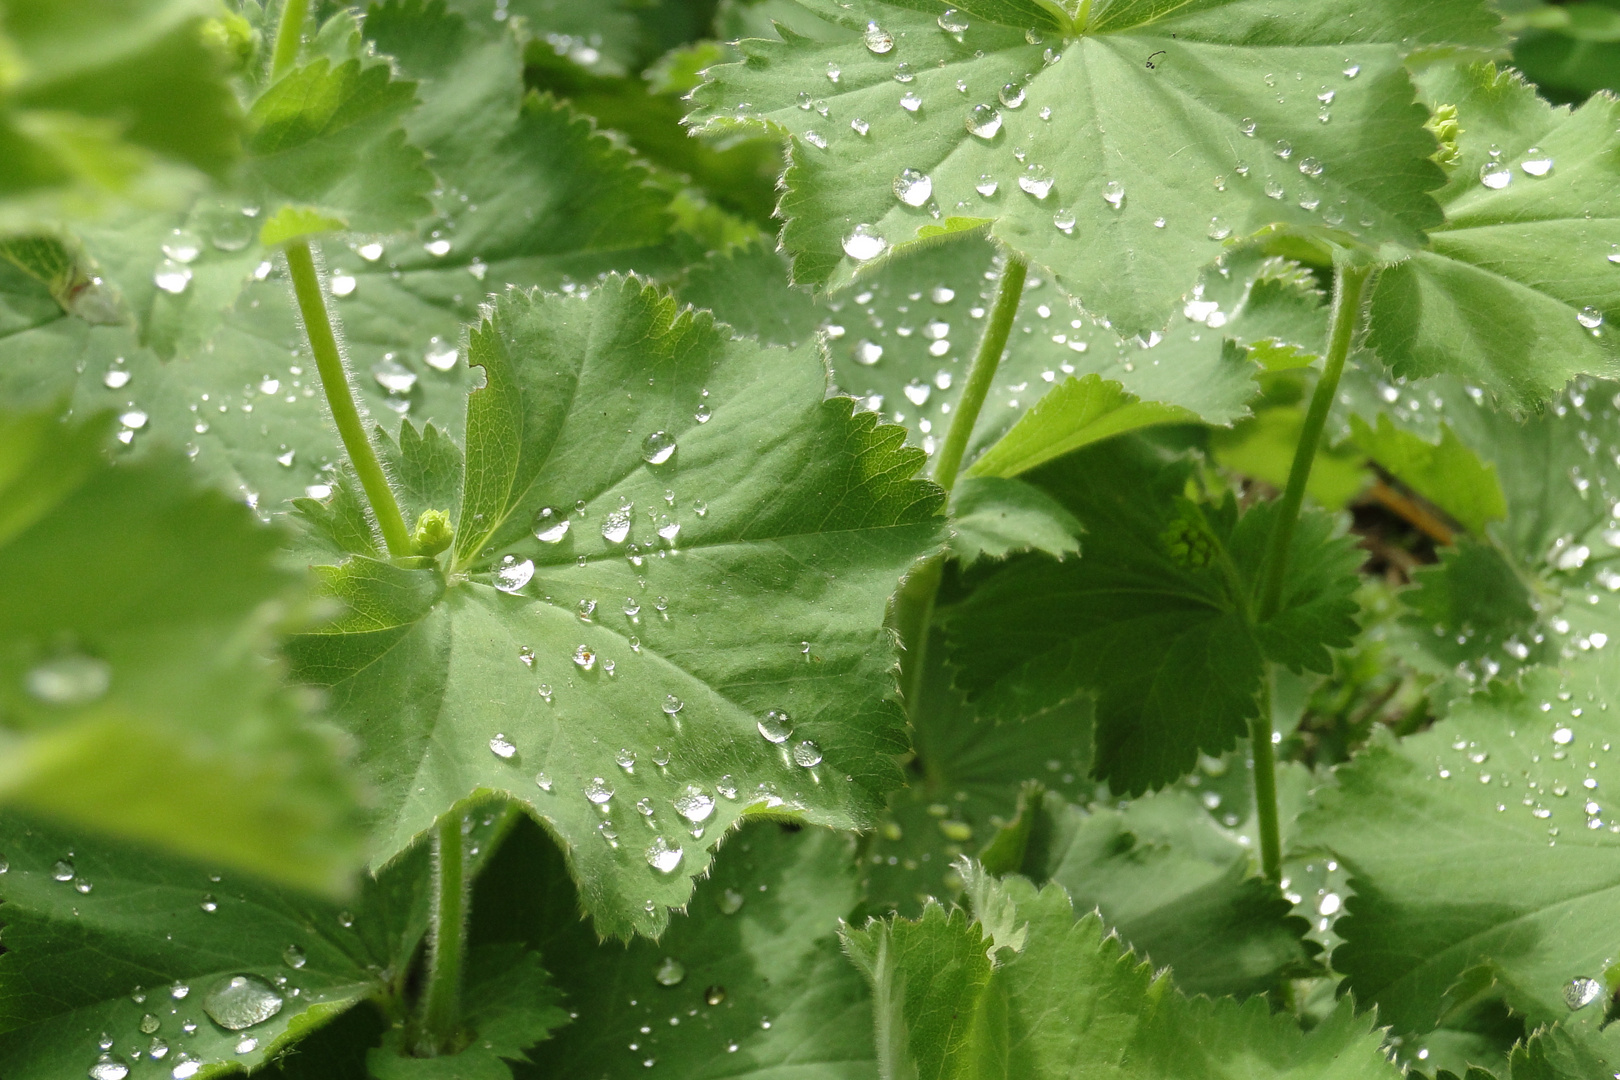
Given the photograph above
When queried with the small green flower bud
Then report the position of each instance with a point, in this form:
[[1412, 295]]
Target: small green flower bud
[[433, 533]]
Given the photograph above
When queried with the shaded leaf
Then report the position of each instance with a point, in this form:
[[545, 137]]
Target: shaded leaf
[[995, 517]]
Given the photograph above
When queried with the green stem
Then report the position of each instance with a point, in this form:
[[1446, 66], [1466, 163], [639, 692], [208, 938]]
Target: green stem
[[914, 606], [1265, 784], [441, 1005], [289, 35], [1008, 292], [1347, 292], [335, 381]]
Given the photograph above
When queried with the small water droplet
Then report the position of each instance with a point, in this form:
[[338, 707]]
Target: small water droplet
[[437, 248], [1113, 194], [859, 126], [910, 102], [109, 1067], [598, 791], [342, 284], [670, 972], [730, 901], [62, 870], [616, 525], [1495, 175], [868, 353], [903, 72], [1248, 126], [1581, 992], [987, 185], [714, 995], [694, 804], [1589, 317], [864, 243], [1284, 149], [182, 245], [370, 252], [1011, 95], [172, 277], [776, 726], [293, 957], [242, 1001], [878, 40], [672, 704], [150, 1024], [1036, 180], [550, 525], [116, 378], [208, 903], [513, 574], [665, 857], [1311, 167], [585, 657], [912, 187], [951, 21], [1274, 190], [1352, 71], [502, 747], [983, 121], [542, 781], [393, 376], [68, 680], [807, 754]]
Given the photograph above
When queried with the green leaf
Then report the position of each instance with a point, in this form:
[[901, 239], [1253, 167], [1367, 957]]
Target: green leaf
[[1451, 476], [1076, 413], [510, 1005], [1484, 843], [106, 101], [752, 972], [1263, 448], [1478, 605], [1179, 889], [1152, 619], [996, 517], [110, 942], [1061, 998], [886, 341], [1510, 292], [1217, 73], [795, 521], [133, 683]]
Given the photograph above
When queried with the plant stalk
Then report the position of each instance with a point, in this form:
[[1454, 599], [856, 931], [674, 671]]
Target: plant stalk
[[1348, 287], [340, 396], [1265, 784], [441, 1004], [289, 36], [914, 606]]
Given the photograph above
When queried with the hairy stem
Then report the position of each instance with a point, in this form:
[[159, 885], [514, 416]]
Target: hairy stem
[[335, 381], [1265, 784], [914, 606], [289, 35], [1348, 286], [441, 1004]]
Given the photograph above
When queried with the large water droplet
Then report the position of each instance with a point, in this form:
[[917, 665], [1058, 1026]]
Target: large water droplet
[[502, 747], [1495, 175], [1113, 194], [242, 1001], [987, 185], [670, 972], [983, 121], [694, 804], [599, 791], [1536, 163], [584, 657], [910, 101], [172, 277], [776, 726], [1581, 992], [864, 243], [912, 187], [664, 857], [1311, 167], [182, 246], [1589, 317], [1036, 180], [62, 870], [293, 956], [952, 21], [807, 754], [658, 447], [109, 1067], [393, 376], [550, 525], [513, 575], [72, 679], [616, 526], [878, 40], [1011, 95]]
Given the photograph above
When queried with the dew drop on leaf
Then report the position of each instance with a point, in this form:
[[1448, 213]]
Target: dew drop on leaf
[[726, 786], [502, 747], [868, 353], [714, 995], [109, 1067], [878, 40], [62, 870], [585, 657], [1495, 175], [616, 525], [729, 902], [172, 277], [1248, 127], [393, 376], [625, 759], [807, 754], [293, 957], [182, 246], [1011, 95], [864, 243], [951, 21], [115, 378], [598, 791], [776, 726], [670, 972], [550, 525], [1113, 194], [983, 121], [694, 804], [912, 187], [1581, 992], [68, 680], [672, 704], [665, 857], [859, 126], [910, 102], [150, 1024], [242, 1001], [987, 185], [513, 574], [1589, 317], [1036, 180]]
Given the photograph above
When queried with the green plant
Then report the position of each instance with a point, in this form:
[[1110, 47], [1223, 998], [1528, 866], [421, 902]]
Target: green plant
[[475, 609]]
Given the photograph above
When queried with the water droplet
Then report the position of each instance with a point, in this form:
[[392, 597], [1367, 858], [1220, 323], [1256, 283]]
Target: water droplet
[[1536, 163], [62, 870], [714, 995], [616, 526], [917, 392], [1114, 194], [1352, 71], [187, 1069], [584, 657], [672, 704], [1011, 95], [1248, 127], [670, 972], [393, 376], [208, 903], [437, 248], [776, 726], [440, 357], [586, 609], [293, 957], [370, 252], [987, 185], [242, 1001], [513, 575], [150, 1024], [983, 121], [868, 353], [1274, 190], [694, 804], [172, 277], [342, 284], [1036, 180], [1589, 317], [910, 102], [598, 791], [665, 857], [807, 754], [864, 243], [233, 232], [726, 786], [951, 21], [903, 72], [1563, 736], [878, 40], [550, 525], [80, 885], [859, 126], [1495, 175], [109, 1067], [816, 139], [729, 902], [73, 679], [246, 1044], [502, 747], [912, 187], [1581, 992], [542, 781], [1310, 167], [182, 246], [1284, 149], [116, 378]]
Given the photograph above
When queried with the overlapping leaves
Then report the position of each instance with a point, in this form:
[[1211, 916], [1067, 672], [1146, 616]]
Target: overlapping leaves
[[664, 605], [1119, 153]]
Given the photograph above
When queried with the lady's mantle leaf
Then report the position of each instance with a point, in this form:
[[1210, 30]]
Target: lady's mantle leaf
[[1027, 991], [1513, 290], [133, 685], [117, 951], [1120, 158], [1152, 618], [679, 556], [1489, 842]]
